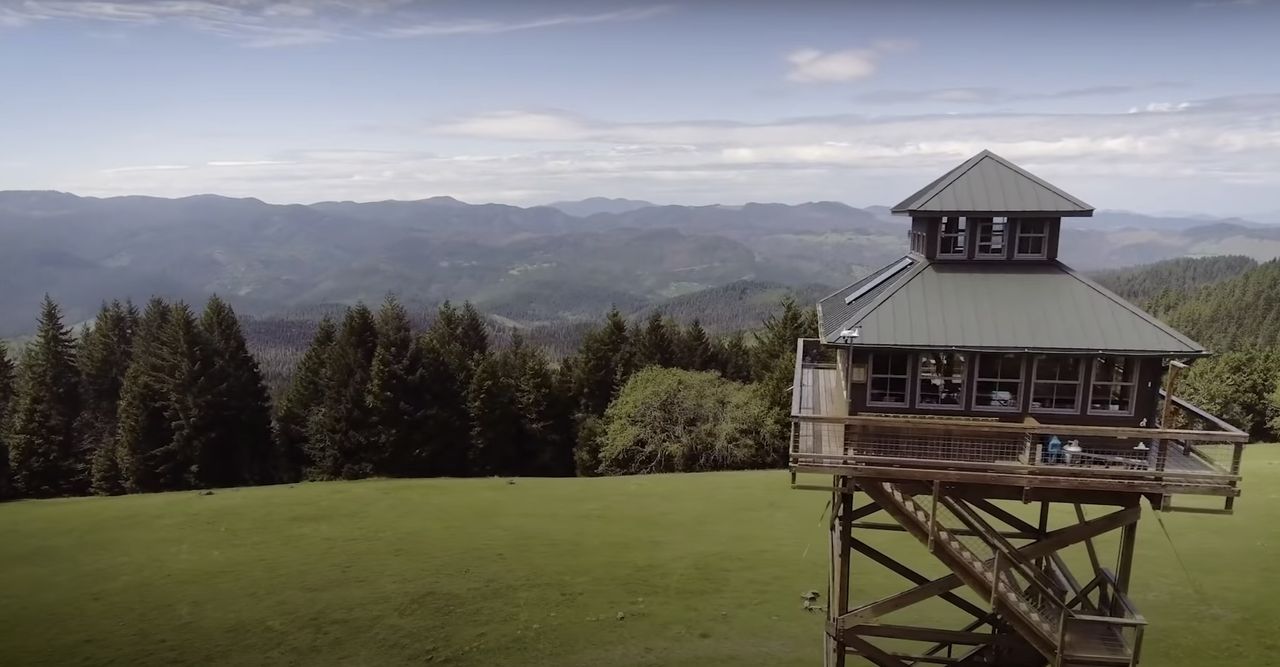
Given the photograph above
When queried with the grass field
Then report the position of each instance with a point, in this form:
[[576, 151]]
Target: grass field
[[706, 569]]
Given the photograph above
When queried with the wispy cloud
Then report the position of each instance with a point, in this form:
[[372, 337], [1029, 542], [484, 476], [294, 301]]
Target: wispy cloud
[[146, 167], [988, 95], [815, 66], [492, 27], [1170, 155], [267, 23]]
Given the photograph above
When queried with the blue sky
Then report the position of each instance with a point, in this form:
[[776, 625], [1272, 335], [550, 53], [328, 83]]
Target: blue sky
[[1153, 106]]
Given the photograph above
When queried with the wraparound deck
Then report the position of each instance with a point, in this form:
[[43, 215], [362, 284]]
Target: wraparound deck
[[1157, 461]]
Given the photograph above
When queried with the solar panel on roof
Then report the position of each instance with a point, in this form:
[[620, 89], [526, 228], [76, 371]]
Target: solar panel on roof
[[872, 284]]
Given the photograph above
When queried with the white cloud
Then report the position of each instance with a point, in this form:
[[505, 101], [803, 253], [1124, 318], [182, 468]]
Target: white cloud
[[814, 66]]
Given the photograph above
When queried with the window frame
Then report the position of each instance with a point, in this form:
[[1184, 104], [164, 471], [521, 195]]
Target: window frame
[[872, 375], [1133, 384], [1043, 235], [1004, 238], [964, 382], [1079, 383], [962, 235], [977, 377]]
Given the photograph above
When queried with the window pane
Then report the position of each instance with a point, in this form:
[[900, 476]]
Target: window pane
[[1111, 398], [888, 390], [1065, 369], [1114, 369], [991, 235], [1032, 226], [941, 379]]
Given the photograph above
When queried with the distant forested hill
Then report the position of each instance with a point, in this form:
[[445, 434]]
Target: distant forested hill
[[1232, 314], [1141, 284]]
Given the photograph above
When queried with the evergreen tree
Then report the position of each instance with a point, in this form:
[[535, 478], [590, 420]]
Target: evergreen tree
[[142, 429], [42, 446], [7, 388], [472, 333], [449, 360], [546, 414], [396, 396], [696, 351], [195, 454], [106, 351], [239, 449], [734, 358], [603, 364], [654, 344], [301, 401], [774, 366], [338, 433], [492, 400]]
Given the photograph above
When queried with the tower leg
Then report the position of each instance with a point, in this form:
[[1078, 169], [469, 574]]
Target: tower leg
[[838, 590]]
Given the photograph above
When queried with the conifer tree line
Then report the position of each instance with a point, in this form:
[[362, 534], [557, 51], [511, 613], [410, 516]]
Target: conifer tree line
[[165, 398]]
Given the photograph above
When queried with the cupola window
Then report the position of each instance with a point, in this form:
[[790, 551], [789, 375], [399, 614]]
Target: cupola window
[[952, 238], [991, 238], [1032, 238]]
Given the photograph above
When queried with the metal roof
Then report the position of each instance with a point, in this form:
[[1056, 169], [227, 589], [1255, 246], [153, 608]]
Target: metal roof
[[835, 310], [1042, 306], [989, 184]]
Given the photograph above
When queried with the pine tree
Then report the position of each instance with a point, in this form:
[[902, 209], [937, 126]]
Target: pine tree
[[239, 449], [734, 358], [396, 396], [696, 351], [495, 416], [449, 360], [142, 429], [774, 366], [42, 446], [7, 388], [338, 433], [106, 351], [603, 364], [195, 455], [654, 344], [472, 333], [546, 414], [301, 401]]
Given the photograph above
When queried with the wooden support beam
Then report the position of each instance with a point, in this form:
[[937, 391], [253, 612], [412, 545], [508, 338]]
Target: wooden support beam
[[962, 532], [1004, 515], [877, 655], [922, 591], [919, 634], [1088, 544], [1052, 542]]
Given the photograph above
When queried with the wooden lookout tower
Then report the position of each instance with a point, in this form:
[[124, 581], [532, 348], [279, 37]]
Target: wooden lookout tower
[[1010, 416]]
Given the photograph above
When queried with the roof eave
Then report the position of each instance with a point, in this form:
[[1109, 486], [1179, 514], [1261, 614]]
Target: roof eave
[[1181, 354], [1083, 213]]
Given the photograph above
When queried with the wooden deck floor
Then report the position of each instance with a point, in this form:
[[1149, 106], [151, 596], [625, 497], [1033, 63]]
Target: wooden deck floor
[[821, 394]]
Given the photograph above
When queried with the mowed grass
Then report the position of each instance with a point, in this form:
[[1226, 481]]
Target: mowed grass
[[705, 569]]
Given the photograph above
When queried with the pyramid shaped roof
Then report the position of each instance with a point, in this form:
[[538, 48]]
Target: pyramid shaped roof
[[989, 184]]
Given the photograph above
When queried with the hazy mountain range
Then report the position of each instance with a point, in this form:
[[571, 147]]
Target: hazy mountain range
[[539, 264]]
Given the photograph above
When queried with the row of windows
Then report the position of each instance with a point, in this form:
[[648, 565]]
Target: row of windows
[[991, 236], [936, 380]]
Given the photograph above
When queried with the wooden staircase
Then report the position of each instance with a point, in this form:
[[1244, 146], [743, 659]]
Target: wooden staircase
[[1024, 596]]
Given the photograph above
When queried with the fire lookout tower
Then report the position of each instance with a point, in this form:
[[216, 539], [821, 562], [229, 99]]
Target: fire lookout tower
[[977, 369]]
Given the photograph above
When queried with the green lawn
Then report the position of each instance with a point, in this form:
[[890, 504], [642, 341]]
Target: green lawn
[[706, 569]]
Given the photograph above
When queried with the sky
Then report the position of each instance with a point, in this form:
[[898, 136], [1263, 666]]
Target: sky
[[1155, 106]]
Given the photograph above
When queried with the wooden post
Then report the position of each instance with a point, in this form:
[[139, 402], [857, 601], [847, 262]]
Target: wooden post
[[1169, 382], [1124, 568], [838, 589]]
